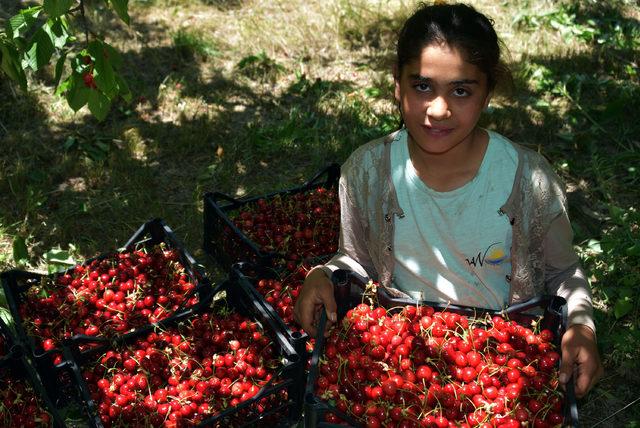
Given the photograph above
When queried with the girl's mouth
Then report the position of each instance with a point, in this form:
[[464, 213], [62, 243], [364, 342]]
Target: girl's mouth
[[437, 131]]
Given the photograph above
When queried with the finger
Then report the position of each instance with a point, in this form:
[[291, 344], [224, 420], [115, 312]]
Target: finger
[[296, 312], [308, 319], [299, 314], [328, 299], [566, 367], [586, 376], [596, 378], [327, 325], [581, 384], [327, 328]]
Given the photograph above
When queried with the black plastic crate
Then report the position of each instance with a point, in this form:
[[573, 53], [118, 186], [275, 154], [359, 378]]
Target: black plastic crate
[[289, 378], [16, 368], [227, 244], [349, 288], [17, 283], [247, 275], [8, 342]]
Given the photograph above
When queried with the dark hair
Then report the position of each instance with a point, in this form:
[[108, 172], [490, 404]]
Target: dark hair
[[457, 25]]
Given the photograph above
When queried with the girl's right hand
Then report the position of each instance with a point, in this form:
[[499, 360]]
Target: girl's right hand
[[317, 290]]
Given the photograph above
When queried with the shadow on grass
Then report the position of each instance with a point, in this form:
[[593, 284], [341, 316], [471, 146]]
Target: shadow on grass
[[93, 183], [248, 139]]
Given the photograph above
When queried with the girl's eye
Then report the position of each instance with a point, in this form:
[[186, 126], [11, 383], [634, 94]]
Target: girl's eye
[[460, 92], [422, 87]]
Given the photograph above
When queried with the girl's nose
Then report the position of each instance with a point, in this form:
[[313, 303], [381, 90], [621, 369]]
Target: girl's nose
[[438, 109]]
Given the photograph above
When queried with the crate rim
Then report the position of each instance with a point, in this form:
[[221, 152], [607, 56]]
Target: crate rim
[[297, 339]]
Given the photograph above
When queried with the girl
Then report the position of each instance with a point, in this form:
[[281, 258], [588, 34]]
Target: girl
[[443, 210]]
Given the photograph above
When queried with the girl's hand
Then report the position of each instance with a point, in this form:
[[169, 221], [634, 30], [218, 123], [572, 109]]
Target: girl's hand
[[580, 357], [316, 291]]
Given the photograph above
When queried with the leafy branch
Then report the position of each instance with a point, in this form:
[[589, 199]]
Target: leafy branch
[[38, 35]]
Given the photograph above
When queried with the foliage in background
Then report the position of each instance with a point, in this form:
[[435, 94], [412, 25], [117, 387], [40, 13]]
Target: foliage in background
[[40, 34], [260, 66], [191, 44]]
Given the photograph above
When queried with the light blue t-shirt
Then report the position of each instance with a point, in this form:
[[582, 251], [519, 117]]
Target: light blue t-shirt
[[455, 246]]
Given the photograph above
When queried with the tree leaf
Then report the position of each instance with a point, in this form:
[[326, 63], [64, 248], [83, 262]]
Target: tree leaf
[[78, 93], [124, 91], [6, 316], [57, 258], [39, 54], [113, 55], [622, 307], [19, 24], [102, 70], [634, 250], [30, 58], [625, 293], [20, 252], [69, 142], [99, 104], [64, 86], [10, 63], [594, 246], [121, 7], [55, 8], [616, 213], [59, 69], [58, 31]]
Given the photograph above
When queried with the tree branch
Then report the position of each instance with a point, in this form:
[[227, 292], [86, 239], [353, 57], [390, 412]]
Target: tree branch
[[85, 23]]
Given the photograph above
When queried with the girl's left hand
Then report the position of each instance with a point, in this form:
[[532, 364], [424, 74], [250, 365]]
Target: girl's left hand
[[580, 358]]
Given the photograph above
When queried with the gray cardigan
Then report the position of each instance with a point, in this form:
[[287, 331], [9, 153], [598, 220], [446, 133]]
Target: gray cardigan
[[542, 256]]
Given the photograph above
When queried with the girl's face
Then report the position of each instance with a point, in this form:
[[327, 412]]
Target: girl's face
[[441, 96]]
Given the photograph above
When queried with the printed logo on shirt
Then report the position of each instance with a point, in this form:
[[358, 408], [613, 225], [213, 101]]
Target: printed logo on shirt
[[493, 255]]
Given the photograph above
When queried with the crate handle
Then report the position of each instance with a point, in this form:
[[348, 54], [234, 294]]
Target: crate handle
[[315, 356], [84, 338], [315, 359], [541, 301], [218, 196], [332, 171], [341, 276], [240, 268], [571, 411]]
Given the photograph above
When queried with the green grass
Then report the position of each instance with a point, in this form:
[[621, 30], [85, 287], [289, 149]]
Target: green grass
[[251, 97], [190, 44]]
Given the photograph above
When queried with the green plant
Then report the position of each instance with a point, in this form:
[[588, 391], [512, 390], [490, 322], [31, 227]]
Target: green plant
[[571, 21], [20, 251], [58, 259], [96, 149], [190, 44], [39, 34], [260, 66]]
